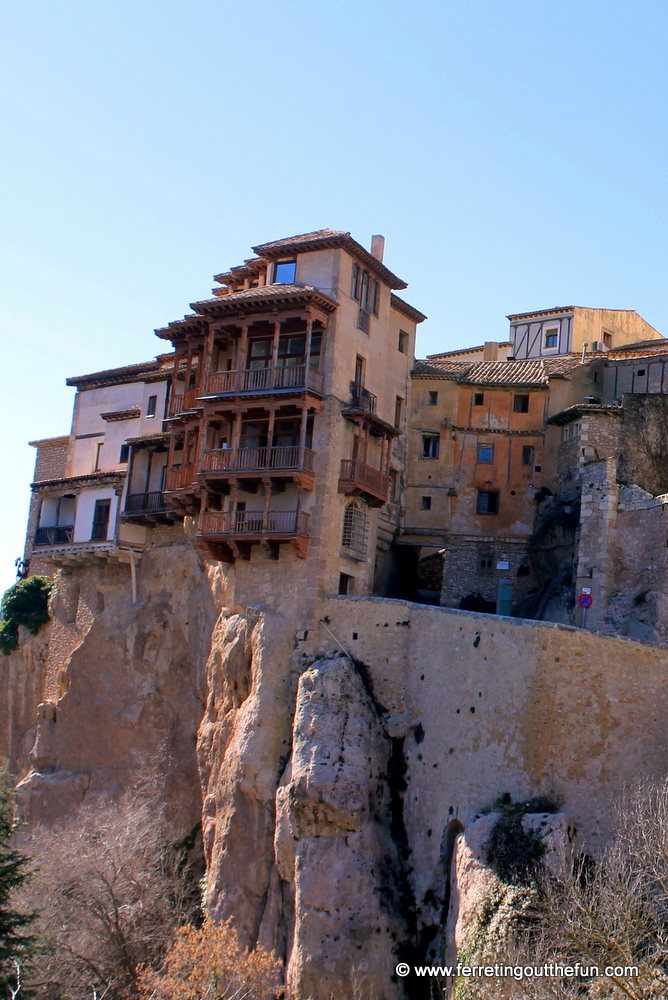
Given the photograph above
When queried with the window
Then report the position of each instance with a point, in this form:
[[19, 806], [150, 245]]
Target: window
[[124, 455], [433, 399], [486, 562], [150, 409], [360, 365], [346, 583], [521, 404], [355, 530], [426, 503], [571, 430], [478, 398], [488, 502], [394, 485], [285, 272], [366, 291], [527, 455], [640, 372], [98, 455], [430, 444], [607, 339], [403, 342], [485, 452], [551, 337], [398, 411], [100, 520]]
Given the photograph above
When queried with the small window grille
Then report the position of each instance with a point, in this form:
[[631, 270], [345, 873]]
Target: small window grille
[[355, 531]]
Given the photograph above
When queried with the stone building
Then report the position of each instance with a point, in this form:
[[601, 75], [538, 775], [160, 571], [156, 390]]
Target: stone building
[[95, 488], [476, 462], [277, 429]]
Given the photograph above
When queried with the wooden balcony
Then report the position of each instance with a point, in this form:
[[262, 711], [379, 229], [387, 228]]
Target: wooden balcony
[[183, 402], [179, 479], [240, 529], [291, 461], [148, 508], [358, 478], [56, 535], [257, 381]]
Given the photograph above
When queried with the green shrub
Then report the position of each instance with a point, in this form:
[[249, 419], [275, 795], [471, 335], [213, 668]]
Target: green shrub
[[26, 603], [515, 851]]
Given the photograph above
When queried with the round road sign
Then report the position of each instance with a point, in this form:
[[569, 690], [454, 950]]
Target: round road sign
[[585, 600]]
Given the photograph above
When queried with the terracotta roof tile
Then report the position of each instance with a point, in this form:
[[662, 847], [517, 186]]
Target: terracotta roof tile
[[528, 373], [408, 310], [270, 292], [440, 369], [318, 234]]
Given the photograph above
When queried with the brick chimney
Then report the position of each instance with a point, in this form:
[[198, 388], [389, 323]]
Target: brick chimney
[[378, 247], [490, 351]]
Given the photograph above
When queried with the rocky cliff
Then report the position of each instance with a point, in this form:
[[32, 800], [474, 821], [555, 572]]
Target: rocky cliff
[[333, 768]]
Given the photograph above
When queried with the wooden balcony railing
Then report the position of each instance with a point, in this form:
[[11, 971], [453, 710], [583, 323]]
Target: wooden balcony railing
[[356, 473], [256, 459], [361, 398], [254, 522], [183, 401], [177, 479], [140, 503], [58, 535], [265, 380]]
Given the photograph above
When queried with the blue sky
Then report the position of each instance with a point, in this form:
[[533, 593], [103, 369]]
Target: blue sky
[[513, 153]]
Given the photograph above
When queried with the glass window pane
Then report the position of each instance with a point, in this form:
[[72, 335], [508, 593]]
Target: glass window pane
[[285, 273]]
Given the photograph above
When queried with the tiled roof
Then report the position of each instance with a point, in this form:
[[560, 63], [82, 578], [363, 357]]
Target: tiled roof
[[266, 292], [403, 307], [556, 310], [534, 372], [565, 363], [111, 376], [530, 372], [466, 350], [323, 239], [315, 237], [440, 369], [660, 344]]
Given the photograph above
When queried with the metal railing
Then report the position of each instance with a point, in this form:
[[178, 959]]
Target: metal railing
[[57, 535], [176, 479], [265, 380], [355, 472], [254, 522], [236, 459], [138, 503], [361, 398]]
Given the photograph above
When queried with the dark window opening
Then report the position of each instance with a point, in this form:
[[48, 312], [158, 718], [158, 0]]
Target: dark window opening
[[151, 406], [98, 456], [398, 411], [100, 520], [433, 399], [426, 503], [486, 562], [641, 371], [521, 404], [527, 455], [346, 583], [430, 444], [365, 290], [403, 342], [487, 502], [607, 339], [125, 454], [478, 398]]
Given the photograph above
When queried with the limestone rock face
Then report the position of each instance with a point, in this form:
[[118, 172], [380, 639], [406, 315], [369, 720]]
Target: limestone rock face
[[243, 746], [333, 844], [22, 676], [122, 686]]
